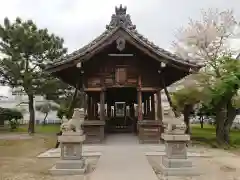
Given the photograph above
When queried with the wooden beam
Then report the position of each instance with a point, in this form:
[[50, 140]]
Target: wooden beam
[[93, 89], [121, 55], [169, 97], [60, 67], [148, 89]]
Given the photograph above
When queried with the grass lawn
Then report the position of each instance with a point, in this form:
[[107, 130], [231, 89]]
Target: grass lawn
[[48, 128], [207, 136], [18, 158]]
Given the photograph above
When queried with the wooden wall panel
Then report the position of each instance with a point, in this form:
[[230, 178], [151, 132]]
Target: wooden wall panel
[[110, 71]]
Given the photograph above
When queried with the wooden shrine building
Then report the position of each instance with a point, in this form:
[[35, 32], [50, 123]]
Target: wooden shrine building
[[121, 71]]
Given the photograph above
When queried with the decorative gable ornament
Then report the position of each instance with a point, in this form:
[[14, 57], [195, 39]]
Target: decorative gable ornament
[[120, 43], [121, 19]]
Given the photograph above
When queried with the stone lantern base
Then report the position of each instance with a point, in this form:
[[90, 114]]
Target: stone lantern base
[[71, 162], [176, 162]]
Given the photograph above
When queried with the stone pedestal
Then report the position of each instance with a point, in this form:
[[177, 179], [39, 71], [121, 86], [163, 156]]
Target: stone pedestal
[[176, 162], [71, 161]]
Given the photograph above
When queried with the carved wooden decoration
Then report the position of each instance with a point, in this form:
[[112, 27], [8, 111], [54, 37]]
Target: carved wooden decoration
[[120, 44], [121, 75]]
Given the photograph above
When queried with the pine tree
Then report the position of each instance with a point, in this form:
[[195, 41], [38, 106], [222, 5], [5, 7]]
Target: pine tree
[[26, 50]]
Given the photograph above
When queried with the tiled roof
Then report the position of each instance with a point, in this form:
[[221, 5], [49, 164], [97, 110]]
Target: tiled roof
[[122, 20]]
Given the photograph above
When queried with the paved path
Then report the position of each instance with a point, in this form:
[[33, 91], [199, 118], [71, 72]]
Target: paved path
[[120, 162]]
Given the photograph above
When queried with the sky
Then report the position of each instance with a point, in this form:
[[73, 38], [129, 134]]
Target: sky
[[80, 21]]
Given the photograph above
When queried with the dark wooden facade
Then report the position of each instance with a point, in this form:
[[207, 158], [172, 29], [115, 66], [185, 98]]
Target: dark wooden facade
[[122, 66]]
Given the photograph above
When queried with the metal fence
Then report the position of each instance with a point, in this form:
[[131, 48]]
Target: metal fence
[[24, 121]]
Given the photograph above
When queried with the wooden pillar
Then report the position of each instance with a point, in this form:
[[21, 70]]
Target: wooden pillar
[[108, 110], [95, 109], [148, 106], [159, 106], [153, 106], [125, 109], [131, 110], [144, 105], [92, 107], [114, 110], [85, 103], [125, 113], [139, 93], [140, 105], [102, 105], [134, 109], [89, 107]]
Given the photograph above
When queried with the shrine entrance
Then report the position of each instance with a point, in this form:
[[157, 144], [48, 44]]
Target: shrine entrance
[[120, 110]]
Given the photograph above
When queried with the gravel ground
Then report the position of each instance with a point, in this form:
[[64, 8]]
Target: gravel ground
[[215, 168], [18, 159]]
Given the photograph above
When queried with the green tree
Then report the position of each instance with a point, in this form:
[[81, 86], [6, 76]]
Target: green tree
[[206, 42], [185, 99], [236, 100], [218, 95], [77, 100], [10, 115], [223, 93], [205, 111], [62, 111], [46, 108], [26, 51]]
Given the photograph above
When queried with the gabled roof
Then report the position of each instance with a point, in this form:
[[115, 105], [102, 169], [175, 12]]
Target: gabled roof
[[120, 21]]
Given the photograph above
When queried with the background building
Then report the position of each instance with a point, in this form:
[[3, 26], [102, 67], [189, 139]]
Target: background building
[[19, 100]]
